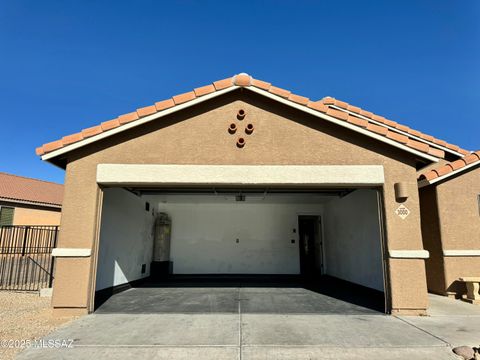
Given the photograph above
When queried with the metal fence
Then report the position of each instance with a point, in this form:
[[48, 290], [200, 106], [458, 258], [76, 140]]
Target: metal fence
[[26, 261]]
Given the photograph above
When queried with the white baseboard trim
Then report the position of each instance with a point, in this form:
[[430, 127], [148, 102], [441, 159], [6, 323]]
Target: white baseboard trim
[[408, 254], [71, 252], [449, 253]]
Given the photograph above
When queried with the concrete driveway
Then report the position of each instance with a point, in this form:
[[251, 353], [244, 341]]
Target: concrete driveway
[[259, 323]]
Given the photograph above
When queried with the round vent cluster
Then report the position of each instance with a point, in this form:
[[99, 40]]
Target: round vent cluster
[[248, 128]]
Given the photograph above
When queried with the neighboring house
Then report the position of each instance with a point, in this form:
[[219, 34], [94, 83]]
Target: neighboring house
[[26, 201], [450, 211], [242, 177]]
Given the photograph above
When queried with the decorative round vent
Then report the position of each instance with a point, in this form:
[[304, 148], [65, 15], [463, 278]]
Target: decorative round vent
[[232, 129], [241, 114], [249, 128]]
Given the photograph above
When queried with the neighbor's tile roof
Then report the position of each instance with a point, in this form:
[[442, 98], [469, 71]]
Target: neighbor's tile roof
[[451, 167], [348, 113], [15, 188]]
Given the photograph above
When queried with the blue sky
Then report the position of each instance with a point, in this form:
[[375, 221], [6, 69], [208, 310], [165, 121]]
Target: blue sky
[[68, 65]]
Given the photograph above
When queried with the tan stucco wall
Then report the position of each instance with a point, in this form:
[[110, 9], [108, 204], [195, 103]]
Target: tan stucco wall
[[431, 239], [30, 216], [199, 136], [460, 225]]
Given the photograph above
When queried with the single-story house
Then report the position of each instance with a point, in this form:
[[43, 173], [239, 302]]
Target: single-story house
[[27, 201], [243, 177]]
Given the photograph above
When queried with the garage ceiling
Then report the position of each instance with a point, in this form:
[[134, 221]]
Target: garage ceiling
[[238, 195]]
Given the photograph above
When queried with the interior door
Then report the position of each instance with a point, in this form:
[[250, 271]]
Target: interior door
[[310, 245]]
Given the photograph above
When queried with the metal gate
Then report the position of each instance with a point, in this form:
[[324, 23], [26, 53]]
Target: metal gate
[[26, 261]]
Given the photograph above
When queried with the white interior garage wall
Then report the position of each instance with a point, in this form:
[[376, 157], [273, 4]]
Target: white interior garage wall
[[352, 239], [204, 237], [126, 239]]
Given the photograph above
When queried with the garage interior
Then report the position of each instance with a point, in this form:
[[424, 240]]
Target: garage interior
[[327, 242]]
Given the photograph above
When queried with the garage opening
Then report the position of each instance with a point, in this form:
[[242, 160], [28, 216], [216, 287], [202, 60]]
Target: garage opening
[[327, 240]]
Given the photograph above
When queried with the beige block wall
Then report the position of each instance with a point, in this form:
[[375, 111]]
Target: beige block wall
[[33, 216], [459, 215], [282, 136]]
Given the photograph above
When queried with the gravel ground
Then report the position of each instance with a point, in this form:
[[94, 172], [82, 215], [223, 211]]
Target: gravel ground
[[25, 316]]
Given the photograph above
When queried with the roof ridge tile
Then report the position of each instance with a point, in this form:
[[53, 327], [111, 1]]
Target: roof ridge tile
[[382, 130], [147, 110], [91, 131], [70, 139], [242, 79], [317, 105], [245, 80], [337, 114], [436, 152], [471, 158], [302, 100], [357, 121], [279, 91], [204, 90], [182, 98], [344, 105], [223, 84], [328, 100], [110, 124], [418, 145], [164, 104], [126, 118], [397, 137], [261, 84]]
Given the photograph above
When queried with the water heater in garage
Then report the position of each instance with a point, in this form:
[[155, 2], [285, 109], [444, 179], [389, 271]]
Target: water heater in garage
[[161, 264]]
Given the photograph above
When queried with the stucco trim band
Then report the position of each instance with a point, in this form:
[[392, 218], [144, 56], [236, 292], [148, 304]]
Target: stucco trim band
[[266, 175], [461, 252], [408, 254], [71, 252]]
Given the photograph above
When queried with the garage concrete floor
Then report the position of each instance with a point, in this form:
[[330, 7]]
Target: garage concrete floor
[[253, 295], [258, 323]]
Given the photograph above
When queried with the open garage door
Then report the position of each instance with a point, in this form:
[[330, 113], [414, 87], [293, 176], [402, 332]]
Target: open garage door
[[157, 233]]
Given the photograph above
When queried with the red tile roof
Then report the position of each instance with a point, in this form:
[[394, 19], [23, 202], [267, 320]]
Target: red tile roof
[[329, 106], [396, 128], [457, 165], [21, 189]]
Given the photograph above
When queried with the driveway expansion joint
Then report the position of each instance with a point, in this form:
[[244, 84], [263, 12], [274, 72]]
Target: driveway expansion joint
[[425, 331]]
